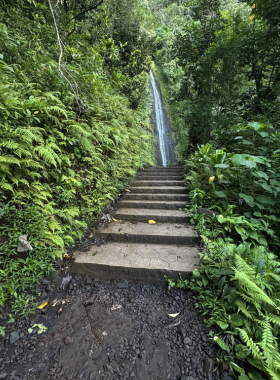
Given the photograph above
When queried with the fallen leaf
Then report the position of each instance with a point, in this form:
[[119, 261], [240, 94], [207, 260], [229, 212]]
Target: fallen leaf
[[66, 256], [42, 305], [128, 191], [152, 222], [116, 220], [94, 253], [173, 315]]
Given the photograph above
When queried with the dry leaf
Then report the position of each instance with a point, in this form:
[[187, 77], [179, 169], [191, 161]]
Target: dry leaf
[[128, 190], [174, 315], [116, 220], [152, 222], [66, 256], [42, 305]]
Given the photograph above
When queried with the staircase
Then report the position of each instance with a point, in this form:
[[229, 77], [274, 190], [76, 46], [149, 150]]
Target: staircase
[[137, 250]]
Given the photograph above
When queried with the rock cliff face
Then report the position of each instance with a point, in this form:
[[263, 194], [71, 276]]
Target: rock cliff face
[[165, 153]]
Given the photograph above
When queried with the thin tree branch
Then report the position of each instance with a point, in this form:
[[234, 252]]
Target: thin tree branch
[[60, 57], [87, 10]]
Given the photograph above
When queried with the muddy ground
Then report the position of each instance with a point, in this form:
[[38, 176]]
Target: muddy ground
[[109, 330]]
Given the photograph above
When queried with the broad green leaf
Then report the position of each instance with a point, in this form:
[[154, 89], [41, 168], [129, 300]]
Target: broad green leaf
[[222, 344], [246, 142], [265, 199], [261, 174], [220, 194], [236, 367], [236, 320], [223, 325], [247, 198], [221, 166], [242, 351], [255, 375], [257, 213], [243, 377], [255, 126]]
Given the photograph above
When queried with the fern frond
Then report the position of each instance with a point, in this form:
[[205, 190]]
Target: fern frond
[[243, 308], [254, 348]]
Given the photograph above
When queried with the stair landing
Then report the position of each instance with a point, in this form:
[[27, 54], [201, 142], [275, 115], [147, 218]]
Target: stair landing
[[139, 251]]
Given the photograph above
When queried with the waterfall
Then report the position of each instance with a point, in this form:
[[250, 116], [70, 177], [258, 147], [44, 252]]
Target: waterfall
[[160, 124]]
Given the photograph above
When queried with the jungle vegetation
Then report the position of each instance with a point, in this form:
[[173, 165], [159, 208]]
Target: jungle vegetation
[[218, 64], [75, 128], [74, 123]]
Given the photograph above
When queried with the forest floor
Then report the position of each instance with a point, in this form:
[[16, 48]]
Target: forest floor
[[109, 330]]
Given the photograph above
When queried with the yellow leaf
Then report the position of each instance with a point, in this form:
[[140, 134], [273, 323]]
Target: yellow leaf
[[66, 256], [116, 220], [252, 17], [120, 194], [211, 179], [254, 6], [42, 305], [128, 190], [152, 222]]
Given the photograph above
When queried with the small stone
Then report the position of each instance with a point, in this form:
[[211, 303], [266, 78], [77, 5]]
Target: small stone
[[187, 340], [132, 374], [208, 368], [68, 340], [206, 212], [87, 280], [55, 278], [123, 284], [13, 338], [3, 375], [227, 377]]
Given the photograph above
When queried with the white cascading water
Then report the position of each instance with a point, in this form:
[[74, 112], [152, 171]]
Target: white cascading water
[[159, 120]]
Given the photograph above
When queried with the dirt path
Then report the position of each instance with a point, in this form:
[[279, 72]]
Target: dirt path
[[122, 331]]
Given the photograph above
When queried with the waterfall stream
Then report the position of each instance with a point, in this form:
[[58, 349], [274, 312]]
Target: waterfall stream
[[166, 144]]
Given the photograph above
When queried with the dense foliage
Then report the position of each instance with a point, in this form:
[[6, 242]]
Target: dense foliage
[[219, 67], [74, 121]]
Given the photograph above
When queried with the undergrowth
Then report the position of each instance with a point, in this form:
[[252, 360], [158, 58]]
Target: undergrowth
[[67, 147], [235, 207]]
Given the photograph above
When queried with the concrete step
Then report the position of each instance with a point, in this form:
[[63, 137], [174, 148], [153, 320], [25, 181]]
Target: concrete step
[[161, 172], [137, 262], [161, 233], [159, 189], [157, 183], [164, 168], [143, 215], [169, 205], [159, 178], [155, 197]]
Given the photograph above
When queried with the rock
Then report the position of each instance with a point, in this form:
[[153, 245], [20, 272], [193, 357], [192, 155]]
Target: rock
[[13, 338], [87, 280], [227, 377], [208, 368], [187, 340], [177, 371], [3, 375], [184, 377], [55, 278], [68, 340], [23, 244], [48, 288], [123, 284], [37, 288], [206, 212]]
